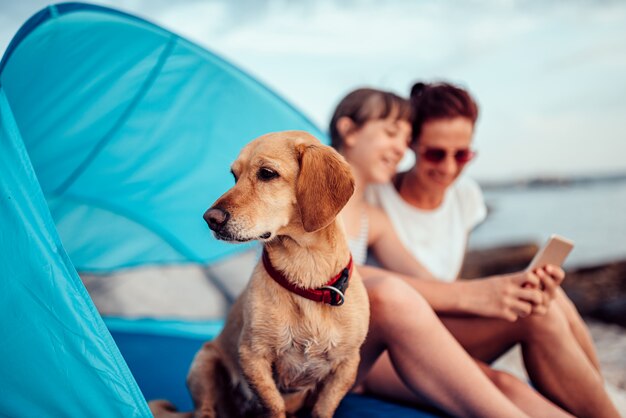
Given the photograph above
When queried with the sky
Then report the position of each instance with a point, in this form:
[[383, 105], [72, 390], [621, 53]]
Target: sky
[[549, 76]]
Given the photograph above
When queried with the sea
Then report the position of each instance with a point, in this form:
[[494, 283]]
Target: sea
[[590, 212]]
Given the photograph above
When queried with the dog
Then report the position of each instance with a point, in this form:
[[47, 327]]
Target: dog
[[281, 348]]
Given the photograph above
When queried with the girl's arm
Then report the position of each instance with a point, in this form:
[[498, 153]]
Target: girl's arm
[[389, 250]]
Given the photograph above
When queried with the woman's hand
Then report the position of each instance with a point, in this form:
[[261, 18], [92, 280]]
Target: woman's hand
[[550, 277], [508, 297]]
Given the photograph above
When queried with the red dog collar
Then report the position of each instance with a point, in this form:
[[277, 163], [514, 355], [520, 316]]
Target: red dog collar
[[332, 293]]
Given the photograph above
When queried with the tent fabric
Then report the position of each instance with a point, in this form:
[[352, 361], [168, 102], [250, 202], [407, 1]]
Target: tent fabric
[[57, 357], [131, 130]]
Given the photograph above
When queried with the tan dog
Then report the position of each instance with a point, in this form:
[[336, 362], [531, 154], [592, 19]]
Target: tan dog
[[279, 350]]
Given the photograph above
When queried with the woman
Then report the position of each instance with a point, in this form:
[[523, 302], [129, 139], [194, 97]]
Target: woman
[[371, 129], [433, 210]]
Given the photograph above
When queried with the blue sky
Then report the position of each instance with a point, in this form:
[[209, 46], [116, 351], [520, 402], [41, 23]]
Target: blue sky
[[550, 76]]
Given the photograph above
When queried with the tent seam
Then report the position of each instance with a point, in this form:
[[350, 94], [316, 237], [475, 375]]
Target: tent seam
[[104, 141], [166, 237]]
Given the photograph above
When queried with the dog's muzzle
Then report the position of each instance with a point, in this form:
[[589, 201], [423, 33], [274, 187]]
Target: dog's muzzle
[[216, 218]]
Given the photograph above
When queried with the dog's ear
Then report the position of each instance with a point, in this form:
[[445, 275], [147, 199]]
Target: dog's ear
[[324, 186]]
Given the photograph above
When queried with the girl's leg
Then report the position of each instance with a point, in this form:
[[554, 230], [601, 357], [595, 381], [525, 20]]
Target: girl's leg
[[427, 358], [555, 361], [383, 381]]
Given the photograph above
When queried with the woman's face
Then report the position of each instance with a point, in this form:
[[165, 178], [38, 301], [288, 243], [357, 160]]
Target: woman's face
[[442, 151], [376, 148]]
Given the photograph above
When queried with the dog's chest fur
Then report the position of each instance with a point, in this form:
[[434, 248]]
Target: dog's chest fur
[[306, 354]]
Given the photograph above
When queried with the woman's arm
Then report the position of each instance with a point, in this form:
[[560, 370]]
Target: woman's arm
[[499, 297], [504, 297], [508, 296]]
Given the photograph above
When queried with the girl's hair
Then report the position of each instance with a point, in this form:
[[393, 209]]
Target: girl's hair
[[366, 104], [440, 101]]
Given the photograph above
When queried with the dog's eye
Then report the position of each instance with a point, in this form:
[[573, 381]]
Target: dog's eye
[[266, 174], [234, 175]]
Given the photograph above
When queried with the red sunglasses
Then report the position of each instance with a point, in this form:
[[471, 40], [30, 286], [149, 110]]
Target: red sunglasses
[[437, 155]]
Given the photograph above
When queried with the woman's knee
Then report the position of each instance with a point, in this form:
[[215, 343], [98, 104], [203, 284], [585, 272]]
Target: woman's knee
[[554, 323], [569, 309], [390, 296]]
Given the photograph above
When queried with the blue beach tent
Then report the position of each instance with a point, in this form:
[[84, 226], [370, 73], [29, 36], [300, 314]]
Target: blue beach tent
[[115, 135]]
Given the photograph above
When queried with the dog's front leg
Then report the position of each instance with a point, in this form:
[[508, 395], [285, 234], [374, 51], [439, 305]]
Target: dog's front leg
[[257, 368], [202, 381], [335, 387]]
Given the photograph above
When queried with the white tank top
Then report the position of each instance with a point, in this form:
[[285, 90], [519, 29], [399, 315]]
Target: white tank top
[[358, 244], [437, 238]]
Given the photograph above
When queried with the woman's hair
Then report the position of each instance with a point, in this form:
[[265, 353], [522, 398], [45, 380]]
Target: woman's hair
[[440, 101], [366, 104]]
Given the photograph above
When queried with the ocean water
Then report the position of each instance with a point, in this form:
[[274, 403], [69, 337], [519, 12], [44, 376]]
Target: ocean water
[[592, 214]]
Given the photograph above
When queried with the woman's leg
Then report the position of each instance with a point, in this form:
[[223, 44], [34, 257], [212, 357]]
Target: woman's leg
[[427, 358], [578, 327], [382, 380], [555, 361]]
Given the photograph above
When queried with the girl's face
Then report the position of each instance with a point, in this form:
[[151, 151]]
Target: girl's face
[[442, 151], [376, 148]]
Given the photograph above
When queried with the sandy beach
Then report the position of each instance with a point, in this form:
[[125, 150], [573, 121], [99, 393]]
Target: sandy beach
[[610, 341]]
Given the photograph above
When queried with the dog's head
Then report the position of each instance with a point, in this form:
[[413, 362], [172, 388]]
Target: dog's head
[[282, 180]]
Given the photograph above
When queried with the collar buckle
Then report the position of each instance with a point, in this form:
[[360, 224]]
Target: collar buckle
[[338, 289]]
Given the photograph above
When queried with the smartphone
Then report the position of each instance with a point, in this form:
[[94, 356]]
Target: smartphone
[[555, 251]]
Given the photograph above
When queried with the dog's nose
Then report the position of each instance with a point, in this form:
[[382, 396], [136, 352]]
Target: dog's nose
[[216, 218]]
